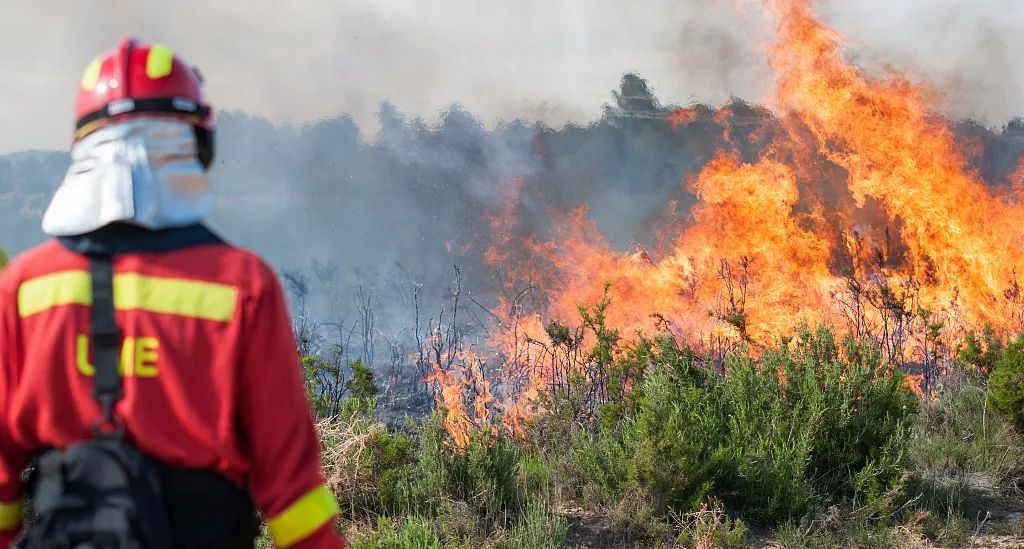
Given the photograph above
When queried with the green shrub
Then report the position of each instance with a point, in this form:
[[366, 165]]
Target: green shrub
[[331, 394], [806, 424], [412, 532], [861, 414], [367, 466], [361, 384], [635, 517], [459, 524], [836, 425], [536, 477], [766, 447], [1007, 383], [982, 353], [354, 406], [537, 528], [959, 433], [657, 442], [671, 437], [485, 473], [319, 401], [962, 455]]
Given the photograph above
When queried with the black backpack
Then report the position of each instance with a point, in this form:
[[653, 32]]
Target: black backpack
[[105, 494]]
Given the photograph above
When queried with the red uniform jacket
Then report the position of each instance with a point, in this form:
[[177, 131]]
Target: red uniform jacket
[[211, 375]]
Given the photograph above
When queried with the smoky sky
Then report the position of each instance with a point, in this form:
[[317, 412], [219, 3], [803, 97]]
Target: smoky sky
[[547, 60]]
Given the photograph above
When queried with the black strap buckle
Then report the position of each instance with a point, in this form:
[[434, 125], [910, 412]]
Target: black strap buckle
[[106, 338], [109, 425]]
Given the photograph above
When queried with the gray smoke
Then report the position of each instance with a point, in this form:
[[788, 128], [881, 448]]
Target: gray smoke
[[538, 60]]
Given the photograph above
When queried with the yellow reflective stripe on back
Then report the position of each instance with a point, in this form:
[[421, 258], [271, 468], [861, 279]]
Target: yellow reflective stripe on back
[[174, 296], [303, 517], [54, 290], [159, 62], [191, 298], [91, 77], [10, 515]]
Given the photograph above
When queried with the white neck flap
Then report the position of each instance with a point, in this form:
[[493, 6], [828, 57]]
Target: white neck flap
[[142, 171]]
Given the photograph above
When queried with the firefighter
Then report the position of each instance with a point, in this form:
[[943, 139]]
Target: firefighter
[[212, 385]]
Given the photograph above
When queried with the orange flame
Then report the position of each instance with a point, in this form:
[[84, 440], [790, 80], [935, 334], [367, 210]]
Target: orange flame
[[682, 117], [916, 384], [964, 242], [465, 395]]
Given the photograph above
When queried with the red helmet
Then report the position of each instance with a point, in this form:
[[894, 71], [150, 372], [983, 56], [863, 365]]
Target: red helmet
[[138, 79]]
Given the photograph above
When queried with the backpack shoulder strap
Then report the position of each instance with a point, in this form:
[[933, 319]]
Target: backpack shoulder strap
[[106, 339]]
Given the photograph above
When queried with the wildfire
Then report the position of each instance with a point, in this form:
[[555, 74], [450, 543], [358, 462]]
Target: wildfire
[[965, 243], [464, 393], [683, 117], [861, 213]]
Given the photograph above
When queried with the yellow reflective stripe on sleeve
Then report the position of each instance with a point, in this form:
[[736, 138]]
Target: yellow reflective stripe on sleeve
[[159, 62], [303, 517], [174, 296], [10, 515], [190, 298], [54, 290], [91, 77]]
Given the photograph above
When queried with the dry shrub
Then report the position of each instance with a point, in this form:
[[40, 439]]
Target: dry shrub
[[709, 527], [365, 465], [343, 443]]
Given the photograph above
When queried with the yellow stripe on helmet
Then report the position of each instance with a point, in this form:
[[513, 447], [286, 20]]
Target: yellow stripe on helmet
[[303, 517], [132, 291], [159, 62], [91, 77]]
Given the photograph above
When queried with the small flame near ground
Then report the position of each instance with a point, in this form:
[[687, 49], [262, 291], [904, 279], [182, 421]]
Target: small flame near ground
[[862, 213]]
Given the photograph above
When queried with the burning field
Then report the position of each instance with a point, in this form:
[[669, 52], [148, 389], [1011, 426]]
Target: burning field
[[789, 320], [861, 211]]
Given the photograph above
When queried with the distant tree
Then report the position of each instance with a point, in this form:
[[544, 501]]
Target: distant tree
[[635, 97]]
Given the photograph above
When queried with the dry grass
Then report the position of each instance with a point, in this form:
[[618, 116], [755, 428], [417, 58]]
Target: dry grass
[[343, 444]]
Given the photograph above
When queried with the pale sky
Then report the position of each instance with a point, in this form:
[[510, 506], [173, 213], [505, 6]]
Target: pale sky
[[555, 60]]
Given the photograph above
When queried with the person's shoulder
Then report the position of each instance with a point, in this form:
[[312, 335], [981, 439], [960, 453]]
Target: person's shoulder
[[245, 268], [47, 258]]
